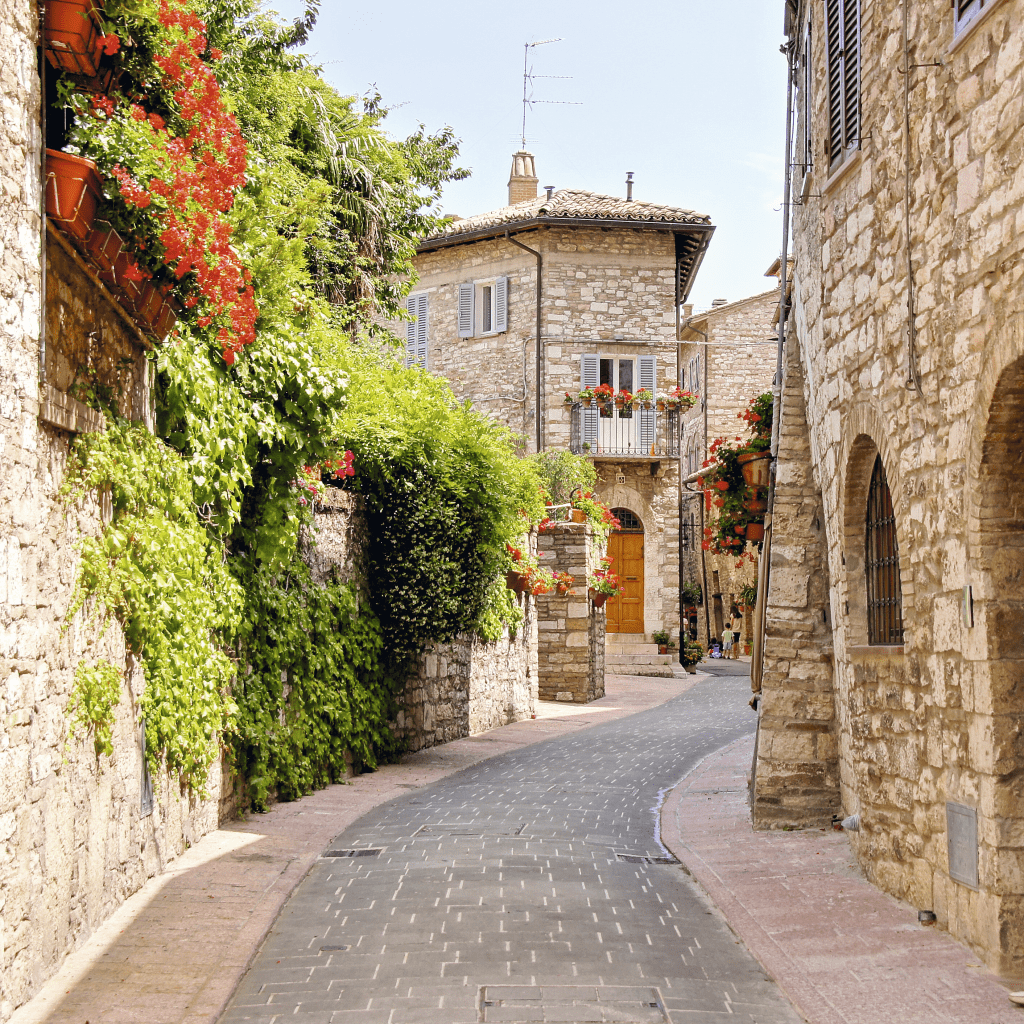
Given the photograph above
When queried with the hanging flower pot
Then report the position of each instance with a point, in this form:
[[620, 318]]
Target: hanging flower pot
[[516, 582], [104, 246], [619, 401], [150, 303], [661, 405], [130, 278], [73, 192], [598, 598], [755, 467], [755, 532], [757, 505], [73, 39], [587, 402], [165, 319]]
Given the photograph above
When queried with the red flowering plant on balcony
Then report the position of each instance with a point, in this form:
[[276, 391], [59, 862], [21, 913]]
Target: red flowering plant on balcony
[[174, 159]]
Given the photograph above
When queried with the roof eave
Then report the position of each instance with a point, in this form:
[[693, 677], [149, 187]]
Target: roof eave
[[497, 230]]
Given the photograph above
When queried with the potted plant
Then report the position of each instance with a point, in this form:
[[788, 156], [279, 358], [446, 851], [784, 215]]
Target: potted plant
[[563, 583], [603, 583], [691, 593], [664, 641], [748, 594], [568, 400], [682, 399], [623, 398], [605, 394], [73, 192], [644, 397], [586, 396], [692, 654], [74, 41]]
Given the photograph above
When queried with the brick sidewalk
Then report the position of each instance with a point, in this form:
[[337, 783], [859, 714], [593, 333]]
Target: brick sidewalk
[[174, 952], [843, 951]]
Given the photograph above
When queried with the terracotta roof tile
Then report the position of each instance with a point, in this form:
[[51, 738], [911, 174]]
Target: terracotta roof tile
[[573, 204]]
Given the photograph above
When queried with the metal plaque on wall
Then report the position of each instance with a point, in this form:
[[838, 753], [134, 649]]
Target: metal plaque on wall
[[962, 843]]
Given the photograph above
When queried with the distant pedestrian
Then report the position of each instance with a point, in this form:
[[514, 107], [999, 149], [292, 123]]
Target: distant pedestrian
[[736, 624], [727, 643]]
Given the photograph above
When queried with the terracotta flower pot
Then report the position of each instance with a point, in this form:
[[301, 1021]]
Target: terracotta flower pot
[[755, 531], [597, 598], [73, 192], [128, 283], [661, 406], [150, 303], [587, 402], [663, 648], [647, 405], [756, 506], [755, 467], [516, 582], [165, 319], [72, 36], [578, 515], [104, 246]]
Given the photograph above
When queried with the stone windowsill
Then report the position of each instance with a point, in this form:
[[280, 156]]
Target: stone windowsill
[[866, 654], [66, 413], [973, 27], [838, 176]]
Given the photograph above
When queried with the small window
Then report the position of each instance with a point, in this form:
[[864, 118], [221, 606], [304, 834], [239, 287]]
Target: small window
[[842, 30], [882, 563], [629, 522], [483, 308], [965, 11]]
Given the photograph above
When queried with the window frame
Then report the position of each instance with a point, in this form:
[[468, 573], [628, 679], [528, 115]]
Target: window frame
[[472, 307], [965, 14], [415, 336]]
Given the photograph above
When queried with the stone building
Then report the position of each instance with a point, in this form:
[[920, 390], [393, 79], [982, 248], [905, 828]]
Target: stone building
[[523, 305], [893, 653], [727, 356]]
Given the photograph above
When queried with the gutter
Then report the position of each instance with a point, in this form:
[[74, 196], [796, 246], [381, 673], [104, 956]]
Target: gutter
[[539, 346]]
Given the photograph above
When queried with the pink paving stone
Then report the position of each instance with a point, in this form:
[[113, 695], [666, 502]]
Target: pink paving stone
[[843, 951]]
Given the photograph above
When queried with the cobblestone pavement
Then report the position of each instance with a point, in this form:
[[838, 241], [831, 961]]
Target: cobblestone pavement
[[528, 888]]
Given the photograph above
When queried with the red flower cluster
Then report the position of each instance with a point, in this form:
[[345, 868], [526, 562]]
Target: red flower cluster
[[341, 465], [200, 173]]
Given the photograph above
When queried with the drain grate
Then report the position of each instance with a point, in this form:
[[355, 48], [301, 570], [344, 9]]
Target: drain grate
[[537, 1004], [334, 949], [470, 829], [351, 853], [637, 858]]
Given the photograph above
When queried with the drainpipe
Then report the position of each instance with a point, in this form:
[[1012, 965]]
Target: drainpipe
[[913, 382], [42, 196], [704, 402], [539, 358]]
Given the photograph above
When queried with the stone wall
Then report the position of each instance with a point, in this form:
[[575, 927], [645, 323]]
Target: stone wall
[[570, 630], [739, 367], [797, 770], [74, 839], [938, 718]]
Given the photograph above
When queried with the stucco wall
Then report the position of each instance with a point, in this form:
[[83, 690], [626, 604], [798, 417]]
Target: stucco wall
[[937, 719]]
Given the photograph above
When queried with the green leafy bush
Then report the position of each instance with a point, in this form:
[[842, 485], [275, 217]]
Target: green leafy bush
[[97, 691]]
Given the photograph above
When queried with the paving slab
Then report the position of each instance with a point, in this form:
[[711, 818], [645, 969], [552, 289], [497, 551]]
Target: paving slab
[[203, 918], [841, 949]]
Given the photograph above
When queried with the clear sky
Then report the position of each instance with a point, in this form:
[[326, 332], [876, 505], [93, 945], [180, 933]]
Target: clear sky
[[688, 95]]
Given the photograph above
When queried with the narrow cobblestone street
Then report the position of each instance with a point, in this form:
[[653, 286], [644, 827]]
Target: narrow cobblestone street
[[531, 887]]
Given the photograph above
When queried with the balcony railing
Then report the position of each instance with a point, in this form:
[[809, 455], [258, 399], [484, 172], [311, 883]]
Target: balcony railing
[[632, 433]]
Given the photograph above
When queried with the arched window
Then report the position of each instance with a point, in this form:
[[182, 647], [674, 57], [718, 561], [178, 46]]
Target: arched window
[[882, 564], [629, 522]]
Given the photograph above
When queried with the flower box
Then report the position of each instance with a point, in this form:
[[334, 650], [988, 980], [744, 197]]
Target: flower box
[[73, 192], [755, 532], [74, 41], [755, 467], [598, 598], [104, 245]]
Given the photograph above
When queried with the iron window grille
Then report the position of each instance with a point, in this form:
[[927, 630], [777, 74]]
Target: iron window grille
[[882, 562], [629, 522]]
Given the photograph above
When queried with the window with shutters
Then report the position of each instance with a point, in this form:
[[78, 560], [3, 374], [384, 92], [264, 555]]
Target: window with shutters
[[882, 564], [965, 11], [416, 331], [483, 307], [613, 429], [842, 32]]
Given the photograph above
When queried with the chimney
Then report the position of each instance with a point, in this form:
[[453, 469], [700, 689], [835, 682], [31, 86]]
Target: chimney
[[522, 182], [629, 186]]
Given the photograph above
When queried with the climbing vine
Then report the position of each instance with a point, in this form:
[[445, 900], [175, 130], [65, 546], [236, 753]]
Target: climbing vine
[[95, 695]]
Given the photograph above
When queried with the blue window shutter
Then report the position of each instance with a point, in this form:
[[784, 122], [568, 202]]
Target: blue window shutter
[[501, 304], [467, 316], [410, 330], [590, 377], [421, 331], [648, 378]]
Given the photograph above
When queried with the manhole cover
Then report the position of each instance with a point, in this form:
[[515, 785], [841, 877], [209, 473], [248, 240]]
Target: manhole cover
[[581, 1004]]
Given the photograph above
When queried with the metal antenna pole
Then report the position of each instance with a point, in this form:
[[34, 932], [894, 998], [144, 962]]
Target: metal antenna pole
[[527, 76]]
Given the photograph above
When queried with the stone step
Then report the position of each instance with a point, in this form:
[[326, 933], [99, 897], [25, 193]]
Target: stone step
[[638, 659], [630, 648], [664, 671]]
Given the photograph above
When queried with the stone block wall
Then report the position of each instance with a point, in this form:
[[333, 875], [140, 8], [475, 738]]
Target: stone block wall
[[939, 717], [796, 779], [570, 630]]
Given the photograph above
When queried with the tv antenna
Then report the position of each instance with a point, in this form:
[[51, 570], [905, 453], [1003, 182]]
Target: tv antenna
[[529, 76]]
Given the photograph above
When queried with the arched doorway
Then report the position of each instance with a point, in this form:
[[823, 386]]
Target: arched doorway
[[626, 549]]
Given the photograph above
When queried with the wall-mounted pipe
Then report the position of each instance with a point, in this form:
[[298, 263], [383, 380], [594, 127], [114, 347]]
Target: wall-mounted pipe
[[540, 347], [913, 380], [42, 192]]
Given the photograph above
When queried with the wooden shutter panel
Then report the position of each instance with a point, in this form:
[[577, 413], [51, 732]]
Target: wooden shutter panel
[[500, 305], [467, 317], [648, 378], [421, 331], [851, 74], [590, 377], [410, 330], [834, 36]]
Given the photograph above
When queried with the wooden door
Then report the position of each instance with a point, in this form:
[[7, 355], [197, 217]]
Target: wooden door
[[626, 612]]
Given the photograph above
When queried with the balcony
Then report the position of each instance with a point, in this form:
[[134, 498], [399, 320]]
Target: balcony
[[624, 433]]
